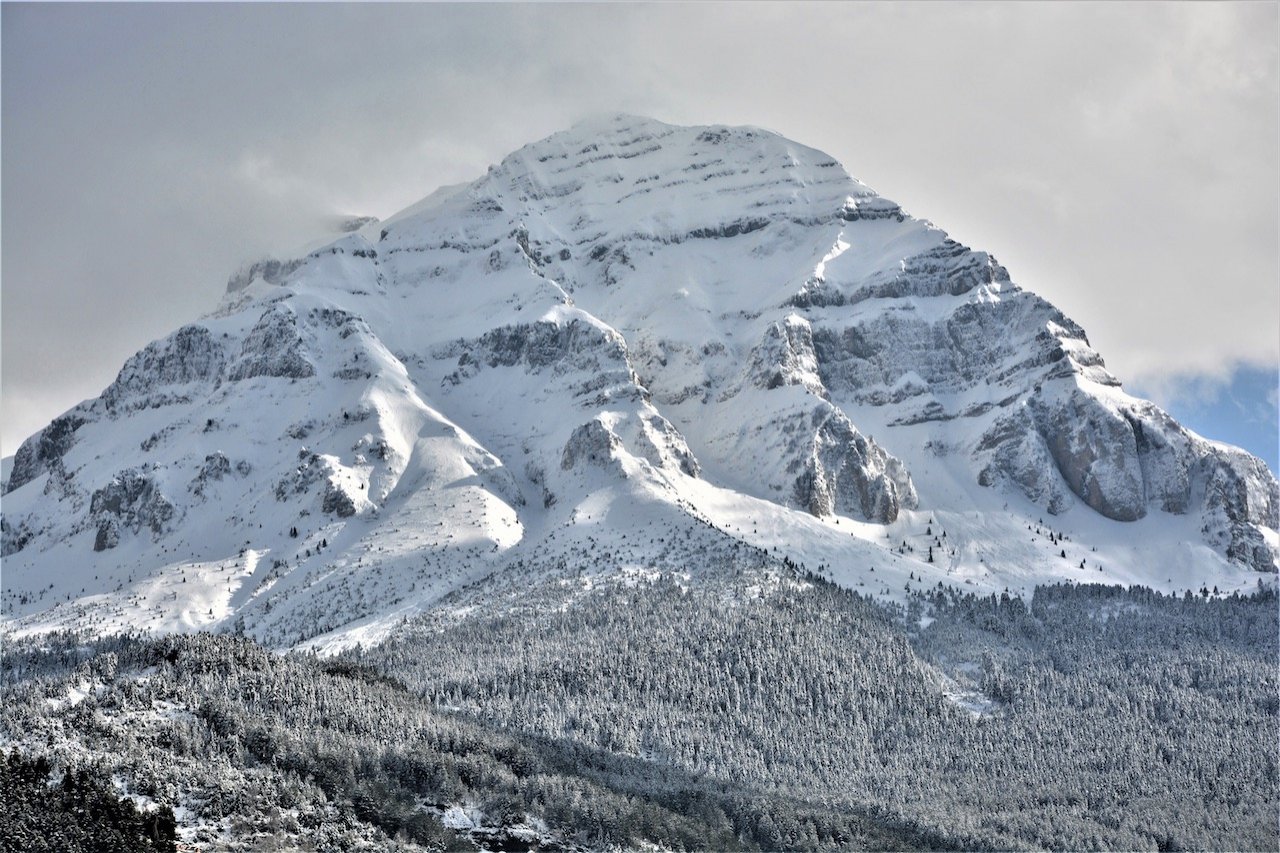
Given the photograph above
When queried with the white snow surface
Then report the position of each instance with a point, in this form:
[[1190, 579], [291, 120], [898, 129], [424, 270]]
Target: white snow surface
[[625, 347]]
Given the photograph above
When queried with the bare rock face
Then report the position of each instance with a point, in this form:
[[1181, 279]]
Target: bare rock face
[[1004, 343], [658, 441], [814, 456], [1124, 458], [593, 443], [313, 473], [1094, 449], [337, 502], [786, 357], [845, 472], [274, 347], [1020, 457], [1167, 454], [270, 270], [560, 349], [44, 449], [130, 502], [645, 435], [948, 269], [311, 469], [162, 373], [1239, 493], [355, 223], [14, 537], [215, 467]]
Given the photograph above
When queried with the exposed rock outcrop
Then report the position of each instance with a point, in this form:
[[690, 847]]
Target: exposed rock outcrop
[[645, 435], [1020, 457], [1095, 451], [160, 373], [658, 441], [975, 344], [215, 467], [847, 473], [14, 537], [270, 270], [46, 447], [273, 347], [1239, 494], [337, 502], [786, 356], [312, 468], [575, 346], [1123, 458], [592, 443], [130, 502]]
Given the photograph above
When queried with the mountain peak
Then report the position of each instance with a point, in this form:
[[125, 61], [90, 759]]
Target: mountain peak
[[633, 338], [615, 122], [624, 136]]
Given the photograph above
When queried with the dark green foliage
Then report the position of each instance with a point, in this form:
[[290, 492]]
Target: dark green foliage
[[79, 813]]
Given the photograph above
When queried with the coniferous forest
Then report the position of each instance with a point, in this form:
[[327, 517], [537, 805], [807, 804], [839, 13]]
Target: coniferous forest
[[741, 710]]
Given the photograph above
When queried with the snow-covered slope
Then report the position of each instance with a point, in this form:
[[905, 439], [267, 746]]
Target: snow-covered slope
[[628, 346]]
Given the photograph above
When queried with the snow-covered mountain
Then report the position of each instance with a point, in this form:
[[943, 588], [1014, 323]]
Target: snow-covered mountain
[[628, 347]]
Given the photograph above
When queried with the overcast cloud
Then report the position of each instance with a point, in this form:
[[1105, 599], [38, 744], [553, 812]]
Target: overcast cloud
[[1121, 160]]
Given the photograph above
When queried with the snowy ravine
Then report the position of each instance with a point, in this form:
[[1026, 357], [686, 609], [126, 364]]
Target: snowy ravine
[[625, 348]]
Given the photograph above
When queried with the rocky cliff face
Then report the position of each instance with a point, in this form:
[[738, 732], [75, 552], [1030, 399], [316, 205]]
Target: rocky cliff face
[[166, 371], [44, 450], [714, 318], [1125, 458], [846, 472], [130, 502], [273, 347]]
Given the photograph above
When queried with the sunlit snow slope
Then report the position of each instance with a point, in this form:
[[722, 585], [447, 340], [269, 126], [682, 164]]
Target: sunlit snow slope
[[629, 347]]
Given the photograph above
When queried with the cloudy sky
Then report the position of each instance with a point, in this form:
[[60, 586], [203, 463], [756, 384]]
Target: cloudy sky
[[1121, 160]]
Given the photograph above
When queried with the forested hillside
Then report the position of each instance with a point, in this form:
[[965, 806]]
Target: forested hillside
[[741, 711]]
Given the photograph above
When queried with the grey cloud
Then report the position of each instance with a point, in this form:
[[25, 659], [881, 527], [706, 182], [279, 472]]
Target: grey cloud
[[1119, 159]]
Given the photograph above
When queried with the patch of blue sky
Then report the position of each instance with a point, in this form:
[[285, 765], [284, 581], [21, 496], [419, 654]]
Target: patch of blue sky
[[1243, 410]]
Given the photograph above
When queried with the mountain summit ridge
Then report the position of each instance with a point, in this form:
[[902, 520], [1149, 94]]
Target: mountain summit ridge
[[668, 328]]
